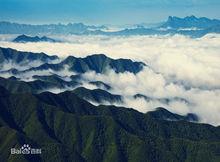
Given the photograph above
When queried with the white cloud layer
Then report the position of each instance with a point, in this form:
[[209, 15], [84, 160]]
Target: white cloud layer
[[179, 67], [204, 103]]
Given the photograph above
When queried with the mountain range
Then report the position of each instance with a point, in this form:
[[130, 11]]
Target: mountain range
[[16, 28], [24, 38], [96, 62], [190, 22], [76, 124], [68, 128], [190, 26]]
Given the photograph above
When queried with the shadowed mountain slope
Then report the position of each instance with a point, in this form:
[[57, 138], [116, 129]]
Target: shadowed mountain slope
[[97, 95], [8, 54], [36, 86], [68, 128], [97, 62], [163, 114]]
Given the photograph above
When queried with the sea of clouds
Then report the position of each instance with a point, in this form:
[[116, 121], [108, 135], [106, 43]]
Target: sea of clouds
[[179, 66]]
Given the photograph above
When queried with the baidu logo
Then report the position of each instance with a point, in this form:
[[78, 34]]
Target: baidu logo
[[25, 149]]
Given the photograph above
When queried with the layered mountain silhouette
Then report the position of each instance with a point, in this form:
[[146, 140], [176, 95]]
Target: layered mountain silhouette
[[74, 28], [40, 84], [101, 85], [97, 62], [24, 38], [100, 63], [190, 26], [163, 114], [19, 57], [190, 22], [97, 95], [162, 100], [68, 128]]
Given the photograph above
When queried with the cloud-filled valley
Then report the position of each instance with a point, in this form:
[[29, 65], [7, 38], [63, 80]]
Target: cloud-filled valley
[[91, 83], [182, 73]]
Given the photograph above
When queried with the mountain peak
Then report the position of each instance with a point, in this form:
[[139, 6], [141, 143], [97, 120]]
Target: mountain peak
[[189, 22], [164, 114], [100, 63], [187, 18], [191, 17], [24, 38]]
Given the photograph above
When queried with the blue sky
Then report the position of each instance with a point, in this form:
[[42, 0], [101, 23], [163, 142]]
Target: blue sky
[[104, 11]]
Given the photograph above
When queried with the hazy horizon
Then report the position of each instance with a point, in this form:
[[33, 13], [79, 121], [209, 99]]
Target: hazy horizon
[[113, 12]]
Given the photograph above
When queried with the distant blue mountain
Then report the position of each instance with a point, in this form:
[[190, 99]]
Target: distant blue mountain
[[190, 26], [24, 38], [74, 28], [190, 22]]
